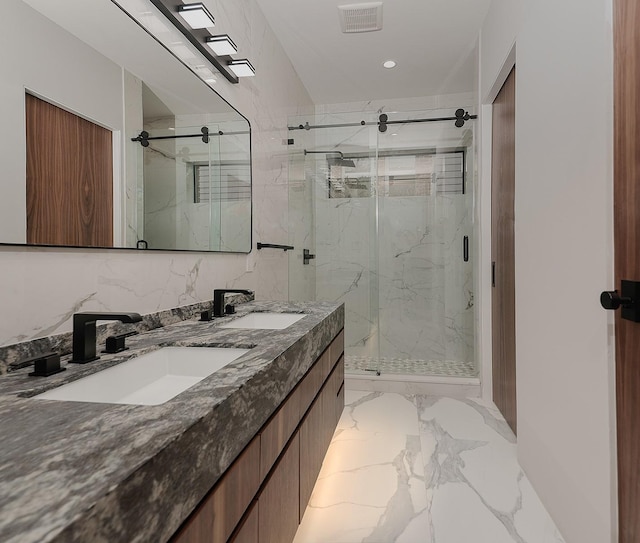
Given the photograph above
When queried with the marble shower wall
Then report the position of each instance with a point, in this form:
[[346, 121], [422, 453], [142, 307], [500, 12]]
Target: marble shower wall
[[41, 288], [415, 276], [426, 297], [346, 267], [406, 288]]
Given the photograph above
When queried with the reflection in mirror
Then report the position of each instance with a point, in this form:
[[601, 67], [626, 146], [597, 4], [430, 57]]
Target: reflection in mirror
[[193, 185], [177, 193]]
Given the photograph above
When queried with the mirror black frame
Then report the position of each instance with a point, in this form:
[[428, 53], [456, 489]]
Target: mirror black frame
[[144, 249]]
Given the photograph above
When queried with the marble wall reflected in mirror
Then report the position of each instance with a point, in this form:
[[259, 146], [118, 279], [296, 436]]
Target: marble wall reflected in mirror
[[190, 187], [176, 193]]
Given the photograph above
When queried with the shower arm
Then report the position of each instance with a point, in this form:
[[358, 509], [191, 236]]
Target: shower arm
[[324, 153]]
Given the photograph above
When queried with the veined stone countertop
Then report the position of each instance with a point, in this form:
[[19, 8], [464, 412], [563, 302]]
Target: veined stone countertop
[[79, 472]]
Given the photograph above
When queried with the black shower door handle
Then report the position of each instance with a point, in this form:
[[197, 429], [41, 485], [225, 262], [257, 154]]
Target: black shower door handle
[[465, 248]]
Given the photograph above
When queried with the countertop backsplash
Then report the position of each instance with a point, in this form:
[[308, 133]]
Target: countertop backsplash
[[61, 343]]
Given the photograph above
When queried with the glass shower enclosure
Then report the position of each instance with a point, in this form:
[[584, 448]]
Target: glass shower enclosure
[[384, 205]]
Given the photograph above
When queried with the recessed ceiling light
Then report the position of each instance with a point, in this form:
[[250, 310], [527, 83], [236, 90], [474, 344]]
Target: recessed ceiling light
[[196, 15], [394, 134], [389, 64]]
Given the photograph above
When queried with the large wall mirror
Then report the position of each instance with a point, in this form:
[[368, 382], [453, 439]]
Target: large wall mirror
[[112, 138]]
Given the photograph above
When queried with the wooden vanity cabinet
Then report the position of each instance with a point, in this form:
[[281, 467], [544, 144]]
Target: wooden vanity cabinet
[[218, 514], [316, 431], [248, 531], [262, 497], [277, 432], [278, 503]]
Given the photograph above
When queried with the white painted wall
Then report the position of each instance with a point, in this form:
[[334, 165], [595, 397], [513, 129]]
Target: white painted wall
[[564, 232], [41, 288]]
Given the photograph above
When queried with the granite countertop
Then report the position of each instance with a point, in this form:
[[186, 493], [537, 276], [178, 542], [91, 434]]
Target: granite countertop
[[78, 472]]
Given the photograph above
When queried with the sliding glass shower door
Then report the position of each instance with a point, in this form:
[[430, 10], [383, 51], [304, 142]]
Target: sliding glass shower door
[[425, 230], [332, 214], [388, 215]]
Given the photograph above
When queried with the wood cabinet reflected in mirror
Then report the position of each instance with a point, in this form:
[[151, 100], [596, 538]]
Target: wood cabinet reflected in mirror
[[69, 178]]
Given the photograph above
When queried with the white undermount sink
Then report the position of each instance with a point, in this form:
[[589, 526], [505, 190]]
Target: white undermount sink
[[149, 379], [265, 321]]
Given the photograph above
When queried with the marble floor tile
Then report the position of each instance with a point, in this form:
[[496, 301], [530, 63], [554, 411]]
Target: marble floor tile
[[371, 486], [423, 469]]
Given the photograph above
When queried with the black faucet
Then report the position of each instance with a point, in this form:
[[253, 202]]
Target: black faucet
[[84, 333], [218, 299]]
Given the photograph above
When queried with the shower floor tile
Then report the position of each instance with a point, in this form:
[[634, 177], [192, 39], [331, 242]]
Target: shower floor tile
[[442, 368], [423, 469]]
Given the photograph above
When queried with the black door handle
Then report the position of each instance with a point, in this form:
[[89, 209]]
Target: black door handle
[[628, 299], [610, 299]]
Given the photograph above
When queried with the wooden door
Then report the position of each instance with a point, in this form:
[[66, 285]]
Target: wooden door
[[69, 178], [627, 259], [502, 251]]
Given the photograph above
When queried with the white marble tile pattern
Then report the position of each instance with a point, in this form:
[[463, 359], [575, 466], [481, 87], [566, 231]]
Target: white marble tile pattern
[[42, 288], [396, 262], [423, 469]]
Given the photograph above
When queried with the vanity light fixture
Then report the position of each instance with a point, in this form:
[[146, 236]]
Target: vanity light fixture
[[192, 20], [242, 68], [221, 45], [196, 15]]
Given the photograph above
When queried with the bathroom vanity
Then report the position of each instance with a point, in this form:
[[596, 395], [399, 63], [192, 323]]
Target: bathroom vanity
[[232, 458]]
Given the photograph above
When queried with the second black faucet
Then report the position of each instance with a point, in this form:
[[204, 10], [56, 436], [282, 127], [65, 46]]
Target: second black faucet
[[84, 332], [218, 299]]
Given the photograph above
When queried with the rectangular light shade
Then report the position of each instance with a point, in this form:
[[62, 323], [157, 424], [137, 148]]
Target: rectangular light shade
[[242, 68], [222, 45], [196, 15]]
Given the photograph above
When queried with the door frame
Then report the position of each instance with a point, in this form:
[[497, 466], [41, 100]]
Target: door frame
[[623, 334], [484, 346]]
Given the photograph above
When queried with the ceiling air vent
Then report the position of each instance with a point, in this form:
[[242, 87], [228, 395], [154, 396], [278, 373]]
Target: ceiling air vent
[[365, 17]]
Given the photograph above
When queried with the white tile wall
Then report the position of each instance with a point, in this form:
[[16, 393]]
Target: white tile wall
[[41, 288]]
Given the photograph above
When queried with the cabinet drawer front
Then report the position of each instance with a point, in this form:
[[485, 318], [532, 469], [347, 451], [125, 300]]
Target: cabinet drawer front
[[277, 432], [339, 383], [216, 517], [248, 532], [313, 447], [337, 377], [335, 393], [337, 348], [312, 382], [278, 503]]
